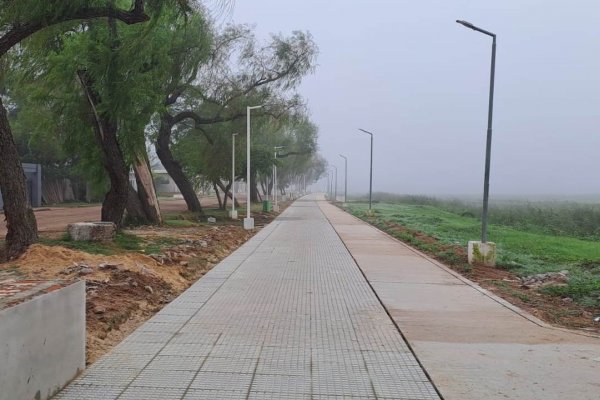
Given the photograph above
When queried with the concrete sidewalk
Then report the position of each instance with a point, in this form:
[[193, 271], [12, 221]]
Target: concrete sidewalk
[[287, 316], [473, 344]]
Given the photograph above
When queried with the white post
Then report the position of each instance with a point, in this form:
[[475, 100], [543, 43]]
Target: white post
[[233, 211], [248, 222], [273, 181], [276, 208]]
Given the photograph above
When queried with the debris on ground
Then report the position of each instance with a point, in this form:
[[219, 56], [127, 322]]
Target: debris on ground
[[546, 279]]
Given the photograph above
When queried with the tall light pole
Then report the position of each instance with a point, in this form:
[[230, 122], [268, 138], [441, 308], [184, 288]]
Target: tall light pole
[[345, 177], [233, 211], [248, 222], [371, 171], [275, 205], [335, 185], [488, 146]]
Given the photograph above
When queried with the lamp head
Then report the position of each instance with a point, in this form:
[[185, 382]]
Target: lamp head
[[465, 23]]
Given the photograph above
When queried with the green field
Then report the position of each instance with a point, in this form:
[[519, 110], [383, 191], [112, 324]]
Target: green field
[[526, 250]]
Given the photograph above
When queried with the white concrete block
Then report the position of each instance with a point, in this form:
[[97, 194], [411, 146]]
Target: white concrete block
[[482, 253], [92, 231], [42, 344], [248, 223], [233, 214]]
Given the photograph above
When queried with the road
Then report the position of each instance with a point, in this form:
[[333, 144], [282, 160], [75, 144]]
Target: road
[[56, 219]]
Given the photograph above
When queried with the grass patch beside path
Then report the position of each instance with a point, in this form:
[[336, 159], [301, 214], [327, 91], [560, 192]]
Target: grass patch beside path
[[522, 252], [123, 242]]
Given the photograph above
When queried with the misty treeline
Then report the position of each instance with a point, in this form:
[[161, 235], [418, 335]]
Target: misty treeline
[[88, 87], [564, 218]]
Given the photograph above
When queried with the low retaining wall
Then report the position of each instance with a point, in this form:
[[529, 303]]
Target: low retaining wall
[[42, 343]]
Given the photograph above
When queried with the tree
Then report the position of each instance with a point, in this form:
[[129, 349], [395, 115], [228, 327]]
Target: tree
[[237, 74], [18, 21], [104, 84]]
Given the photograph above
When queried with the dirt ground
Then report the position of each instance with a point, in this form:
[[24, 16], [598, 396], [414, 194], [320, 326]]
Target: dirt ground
[[126, 288], [54, 219]]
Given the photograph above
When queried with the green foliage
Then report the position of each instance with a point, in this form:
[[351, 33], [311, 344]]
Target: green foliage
[[130, 67], [581, 220]]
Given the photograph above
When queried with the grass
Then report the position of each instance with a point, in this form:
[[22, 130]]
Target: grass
[[525, 251], [123, 242]]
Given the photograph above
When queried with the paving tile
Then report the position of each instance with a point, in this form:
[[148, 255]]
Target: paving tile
[[176, 363], [164, 378], [108, 376], [152, 393], [235, 382], [232, 365], [281, 384], [194, 394], [89, 392]]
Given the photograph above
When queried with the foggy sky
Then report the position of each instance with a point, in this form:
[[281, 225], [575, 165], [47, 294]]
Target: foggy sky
[[408, 72]]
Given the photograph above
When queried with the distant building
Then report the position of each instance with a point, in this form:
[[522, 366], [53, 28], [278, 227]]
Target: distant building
[[33, 173], [163, 183]]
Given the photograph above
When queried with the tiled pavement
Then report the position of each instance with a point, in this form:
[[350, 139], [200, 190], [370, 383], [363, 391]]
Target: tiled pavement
[[287, 316]]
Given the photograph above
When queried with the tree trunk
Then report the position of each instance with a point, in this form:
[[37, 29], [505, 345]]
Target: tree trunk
[[135, 209], [227, 191], [163, 150], [218, 195], [263, 186], [146, 191], [20, 220], [105, 132], [253, 188]]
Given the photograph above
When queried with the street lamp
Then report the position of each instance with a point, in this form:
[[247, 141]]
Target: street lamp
[[234, 214], [248, 222], [485, 252], [488, 147], [335, 185], [371, 171], [275, 205], [345, 177]]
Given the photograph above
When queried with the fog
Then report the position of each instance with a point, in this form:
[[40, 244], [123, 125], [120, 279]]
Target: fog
[[408, 72]]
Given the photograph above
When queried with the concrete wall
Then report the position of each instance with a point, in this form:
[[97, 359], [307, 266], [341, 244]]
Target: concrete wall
[[33, 172], [42, 344]]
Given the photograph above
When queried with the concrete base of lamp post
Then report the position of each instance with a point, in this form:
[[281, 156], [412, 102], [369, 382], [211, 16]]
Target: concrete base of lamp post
[[233, 214], [482, 253], [248, 223], [276, 207]]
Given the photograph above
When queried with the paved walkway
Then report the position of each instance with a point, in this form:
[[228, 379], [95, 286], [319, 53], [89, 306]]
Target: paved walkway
[[287, 316], [473, 344]]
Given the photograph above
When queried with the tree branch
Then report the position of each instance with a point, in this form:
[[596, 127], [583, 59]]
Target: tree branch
[[21, 31]]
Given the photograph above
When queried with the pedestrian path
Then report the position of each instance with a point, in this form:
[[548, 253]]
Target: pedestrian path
[[473, 344], [287, 316]]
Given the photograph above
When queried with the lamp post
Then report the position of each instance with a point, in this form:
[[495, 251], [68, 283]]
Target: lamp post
[[234, 214], [345, 177], [248, 221], [488, 146], [484, 251], [371, 171], [275, 205], [335, 185]]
